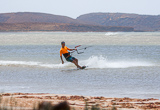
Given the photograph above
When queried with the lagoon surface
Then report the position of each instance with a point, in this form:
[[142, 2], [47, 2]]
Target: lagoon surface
[[120, 64]]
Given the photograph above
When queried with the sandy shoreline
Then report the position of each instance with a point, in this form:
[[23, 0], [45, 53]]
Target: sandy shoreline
[[27, 101]]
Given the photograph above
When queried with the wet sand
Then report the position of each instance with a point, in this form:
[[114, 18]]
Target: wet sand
[[28, 101]]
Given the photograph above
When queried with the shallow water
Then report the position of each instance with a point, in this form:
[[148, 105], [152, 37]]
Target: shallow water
[[119, 64]]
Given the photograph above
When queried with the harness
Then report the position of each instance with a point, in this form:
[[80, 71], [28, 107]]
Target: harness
[[66, 55]]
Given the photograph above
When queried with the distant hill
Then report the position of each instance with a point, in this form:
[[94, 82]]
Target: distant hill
[[138, 22], [28, 21], [7, 27], [30, 17]]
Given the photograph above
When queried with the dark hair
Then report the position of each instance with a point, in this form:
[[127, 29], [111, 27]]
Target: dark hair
[[62, 42]]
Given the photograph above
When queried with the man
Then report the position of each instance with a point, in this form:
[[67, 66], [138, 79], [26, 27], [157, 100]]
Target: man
[[68, 57]]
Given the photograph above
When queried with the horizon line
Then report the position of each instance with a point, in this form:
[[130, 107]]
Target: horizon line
[[81, 14]]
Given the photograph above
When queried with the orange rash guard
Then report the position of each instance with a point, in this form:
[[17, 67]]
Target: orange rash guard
[[65, 52]]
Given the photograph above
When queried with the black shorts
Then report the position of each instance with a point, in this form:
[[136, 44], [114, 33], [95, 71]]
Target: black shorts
[[70, 59]]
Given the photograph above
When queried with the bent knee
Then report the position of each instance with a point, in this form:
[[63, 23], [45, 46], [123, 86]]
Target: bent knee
[[73, 61]]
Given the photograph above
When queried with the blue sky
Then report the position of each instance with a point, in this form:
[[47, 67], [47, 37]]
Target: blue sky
[[74, 8]]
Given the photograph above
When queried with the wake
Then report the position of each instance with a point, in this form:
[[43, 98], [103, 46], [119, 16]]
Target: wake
[[112, 33], [97, 62], [102, 62]]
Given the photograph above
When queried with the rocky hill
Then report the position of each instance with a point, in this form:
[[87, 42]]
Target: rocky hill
[[7, 27], [138, 22], [27, 21], [29, 17]]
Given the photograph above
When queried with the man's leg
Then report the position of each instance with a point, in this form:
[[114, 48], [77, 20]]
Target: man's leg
[[75, 62]]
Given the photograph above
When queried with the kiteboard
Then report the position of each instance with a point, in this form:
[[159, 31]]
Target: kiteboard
[[83, 67]]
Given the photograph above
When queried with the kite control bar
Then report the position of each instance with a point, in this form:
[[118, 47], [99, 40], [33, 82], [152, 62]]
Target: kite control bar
[[80, 49]]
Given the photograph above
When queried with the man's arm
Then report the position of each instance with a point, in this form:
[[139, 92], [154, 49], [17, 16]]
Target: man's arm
[[62, 59], [72, 49]]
